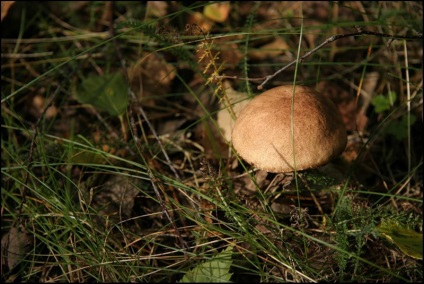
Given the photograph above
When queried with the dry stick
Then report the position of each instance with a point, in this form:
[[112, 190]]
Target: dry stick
[[408, 106], [359, 32], [154, 180]]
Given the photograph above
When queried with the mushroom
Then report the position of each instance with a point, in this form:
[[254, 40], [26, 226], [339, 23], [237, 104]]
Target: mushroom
[[263, 134]]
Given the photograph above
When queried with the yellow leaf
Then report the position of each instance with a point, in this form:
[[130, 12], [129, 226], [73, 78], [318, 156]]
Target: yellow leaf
[[217, 12], [229, 109], [409, 241]]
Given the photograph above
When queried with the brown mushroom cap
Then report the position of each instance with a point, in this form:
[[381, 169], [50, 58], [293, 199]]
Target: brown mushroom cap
[[262, 134]]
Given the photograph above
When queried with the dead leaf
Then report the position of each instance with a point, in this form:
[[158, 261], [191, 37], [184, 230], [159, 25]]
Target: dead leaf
[[229, 110], [153, 73], [116, 197], [5, 6], [346, 105], [39, 103], [217, 12], [200, 20], [230, 54], [15, 245], [156, 9], [171, 126], [269, 50], [368, 87], [260, 181], [209, 138]]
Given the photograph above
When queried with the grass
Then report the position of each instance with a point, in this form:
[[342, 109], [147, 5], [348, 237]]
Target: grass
[[151, 193]]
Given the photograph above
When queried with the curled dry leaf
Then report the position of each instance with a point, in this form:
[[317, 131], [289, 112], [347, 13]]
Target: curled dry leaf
[[153, 73], [256, 184], [197, 18], [230, 109], [269, 50], [115, 198], [369, 86], [230, 54], [5, 6], [156, 9], [346, 105], [15, 244]]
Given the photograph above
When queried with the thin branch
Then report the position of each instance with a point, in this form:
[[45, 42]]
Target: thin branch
[[408, 105], [359, 32]]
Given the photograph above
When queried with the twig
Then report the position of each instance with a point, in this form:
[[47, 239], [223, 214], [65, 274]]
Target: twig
[[408, 105], [359, 32]]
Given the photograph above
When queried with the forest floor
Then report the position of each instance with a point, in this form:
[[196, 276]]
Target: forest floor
[[117, 162]]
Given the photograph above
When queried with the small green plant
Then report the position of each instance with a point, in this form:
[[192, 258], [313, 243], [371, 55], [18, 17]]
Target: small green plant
[[107, 93], [398, 128], [215, 270], [382, 103], [354, 221]]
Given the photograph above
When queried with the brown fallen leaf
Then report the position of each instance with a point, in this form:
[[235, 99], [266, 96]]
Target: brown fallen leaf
[[200, 20], [156, 9], [269, 50], [368, 87], [15, 244], [5, 6], [151, 77], [228, 113], [346, 104], [115, 198]]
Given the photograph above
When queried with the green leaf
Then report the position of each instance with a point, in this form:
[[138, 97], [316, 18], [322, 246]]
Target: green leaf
[[409, 241], [399, 129], [86, 157], [382, 103], [215, 270], [106, 93]]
